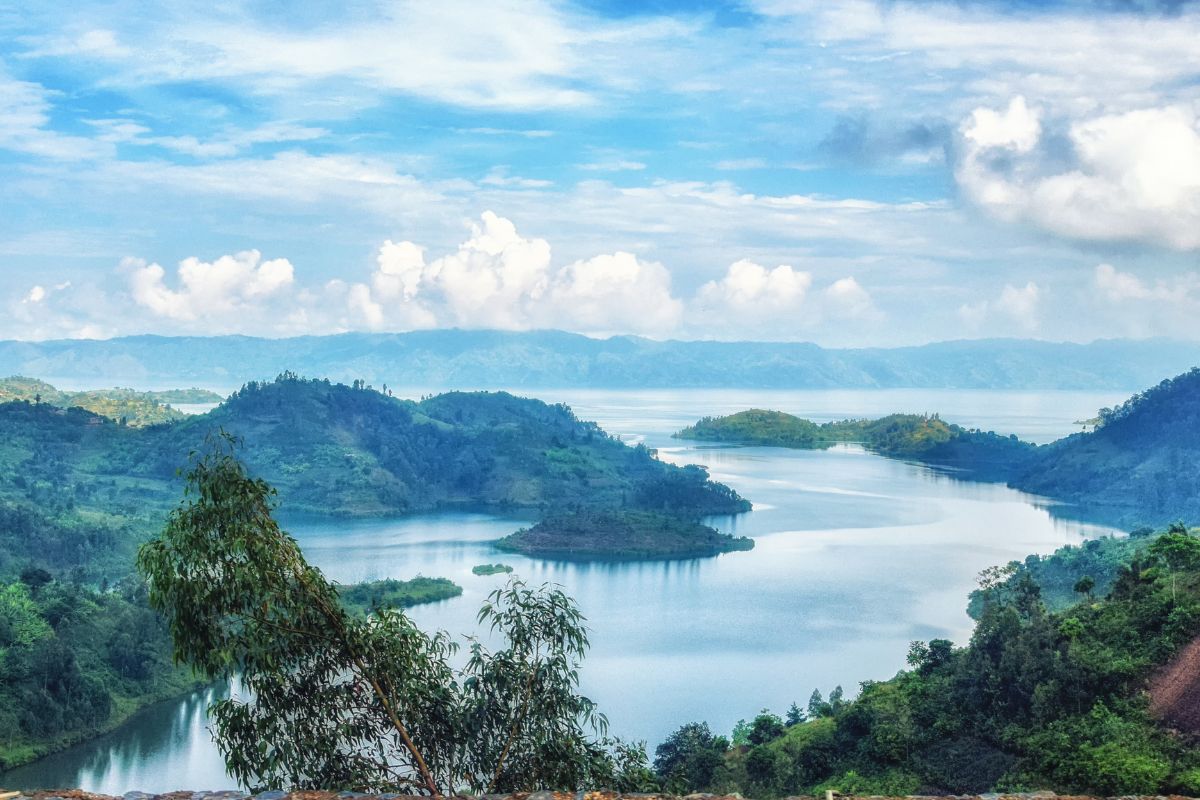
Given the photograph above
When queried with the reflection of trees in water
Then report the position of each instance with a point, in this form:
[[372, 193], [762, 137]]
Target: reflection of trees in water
[[164, 732]]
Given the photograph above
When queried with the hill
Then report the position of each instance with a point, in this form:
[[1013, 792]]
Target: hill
[[88, 485], [127, 405], [1096, 695], [1141, 465], [553, 359]]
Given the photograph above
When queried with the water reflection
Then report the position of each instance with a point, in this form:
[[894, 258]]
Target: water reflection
[[162, 748]]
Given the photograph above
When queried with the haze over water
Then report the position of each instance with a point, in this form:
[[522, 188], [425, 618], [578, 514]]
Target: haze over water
[[855, 556]]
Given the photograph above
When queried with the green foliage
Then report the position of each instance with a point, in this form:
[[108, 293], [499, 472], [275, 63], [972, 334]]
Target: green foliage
[[491, 569], [75, 662], [363, 702], [134, 407], [688, 760], [370, 597], [622, 534], [909, 436], [1037, 699]]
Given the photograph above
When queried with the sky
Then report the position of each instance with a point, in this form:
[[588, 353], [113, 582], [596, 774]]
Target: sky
[[846, 172]]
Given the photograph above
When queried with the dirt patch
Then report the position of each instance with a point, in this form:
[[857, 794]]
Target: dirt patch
[[1175, 690]]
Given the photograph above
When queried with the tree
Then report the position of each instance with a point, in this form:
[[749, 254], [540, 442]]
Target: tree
[[1085, 585], [766, 726], [688, 759], [370, 703], [794, 716]]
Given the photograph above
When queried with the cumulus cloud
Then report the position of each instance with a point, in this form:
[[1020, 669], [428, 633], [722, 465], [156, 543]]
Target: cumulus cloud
[[1133, 176], [752, 300], [207, 289], [498, 278], [1018, 305]]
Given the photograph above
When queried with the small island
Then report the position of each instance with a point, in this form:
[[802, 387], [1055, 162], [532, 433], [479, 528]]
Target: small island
[[365, 598], [491, 569], [622, 535]]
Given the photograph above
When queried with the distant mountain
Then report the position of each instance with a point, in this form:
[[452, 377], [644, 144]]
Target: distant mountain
[[553, 359]]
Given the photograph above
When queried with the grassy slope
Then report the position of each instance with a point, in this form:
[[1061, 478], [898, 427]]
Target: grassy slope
[[137, 408]]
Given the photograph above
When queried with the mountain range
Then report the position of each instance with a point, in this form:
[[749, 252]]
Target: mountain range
[[452, 358]]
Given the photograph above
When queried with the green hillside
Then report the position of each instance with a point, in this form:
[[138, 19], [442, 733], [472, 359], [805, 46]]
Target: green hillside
[[1069, 696], [1140, 466], [133, 407], [79, 490]]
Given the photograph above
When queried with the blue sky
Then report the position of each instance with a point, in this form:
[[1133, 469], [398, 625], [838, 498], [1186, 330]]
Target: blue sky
[[846, 172]]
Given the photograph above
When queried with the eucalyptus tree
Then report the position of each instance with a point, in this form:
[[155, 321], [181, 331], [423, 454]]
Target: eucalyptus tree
[[337, 700]]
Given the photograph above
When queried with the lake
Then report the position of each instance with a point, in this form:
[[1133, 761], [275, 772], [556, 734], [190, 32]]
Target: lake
[[856, 556]]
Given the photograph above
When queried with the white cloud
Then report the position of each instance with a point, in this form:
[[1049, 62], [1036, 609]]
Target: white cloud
[[849, 299], [208, 290], [228, 142], [622, 165], [25, 124], [36, 295], [734, 164], [751, 288], [515, 55], [498, 278], [1019, 305], [614, 293], [1134, 176], [1016, 128], [1121, 287]]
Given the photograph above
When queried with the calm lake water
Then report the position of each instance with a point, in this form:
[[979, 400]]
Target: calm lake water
[[855, 556]]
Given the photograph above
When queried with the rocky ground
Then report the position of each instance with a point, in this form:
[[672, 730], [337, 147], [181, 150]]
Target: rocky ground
[[599, 795]]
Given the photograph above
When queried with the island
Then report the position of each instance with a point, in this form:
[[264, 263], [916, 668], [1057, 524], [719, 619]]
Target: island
[[491, 569], [366, 598], [622, 535]]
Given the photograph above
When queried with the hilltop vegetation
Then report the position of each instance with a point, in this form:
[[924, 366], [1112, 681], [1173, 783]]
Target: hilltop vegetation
[[622, 534], [1036, 699], [925, 438], [121, 405]]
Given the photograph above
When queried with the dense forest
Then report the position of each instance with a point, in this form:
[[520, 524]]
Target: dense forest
[[1037, 698], [126, 406]]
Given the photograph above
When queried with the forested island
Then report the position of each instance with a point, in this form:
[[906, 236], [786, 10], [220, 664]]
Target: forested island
[[126, 406], [622, 534]]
